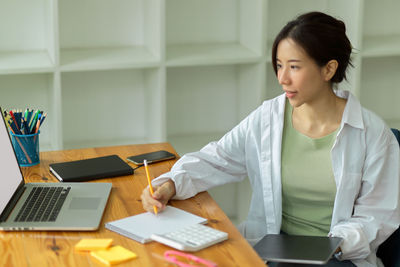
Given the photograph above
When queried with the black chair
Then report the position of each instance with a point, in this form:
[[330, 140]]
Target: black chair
[[389, 251]]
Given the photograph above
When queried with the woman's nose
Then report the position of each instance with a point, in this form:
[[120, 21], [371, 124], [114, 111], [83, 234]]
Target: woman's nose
[[283, 76]]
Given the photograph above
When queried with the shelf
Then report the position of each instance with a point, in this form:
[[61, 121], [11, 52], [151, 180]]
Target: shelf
[[282, 11], [101, 107], [381, 34], [101, 35], [209, 54], [27, 43], [107, 58], [14, 62], [212, 32], [380, 46], [379, 85], [195, 97], [38, 96]]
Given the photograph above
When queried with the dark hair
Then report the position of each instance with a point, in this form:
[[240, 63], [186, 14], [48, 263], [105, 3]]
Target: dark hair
[[322, 37]]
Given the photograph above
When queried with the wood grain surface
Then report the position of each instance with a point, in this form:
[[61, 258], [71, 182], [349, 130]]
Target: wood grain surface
[[57, 248]]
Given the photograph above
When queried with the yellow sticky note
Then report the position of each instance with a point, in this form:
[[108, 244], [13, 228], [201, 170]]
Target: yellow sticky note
[[93, 244], [113, 255]]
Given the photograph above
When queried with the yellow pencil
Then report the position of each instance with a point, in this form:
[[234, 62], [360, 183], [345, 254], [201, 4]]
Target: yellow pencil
[[149, 181]]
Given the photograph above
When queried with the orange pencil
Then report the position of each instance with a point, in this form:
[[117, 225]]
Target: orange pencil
[[37, 126], [149, 181]]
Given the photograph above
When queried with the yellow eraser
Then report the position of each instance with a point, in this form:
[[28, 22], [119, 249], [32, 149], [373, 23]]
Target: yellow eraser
[[113, 255], [93, 244]]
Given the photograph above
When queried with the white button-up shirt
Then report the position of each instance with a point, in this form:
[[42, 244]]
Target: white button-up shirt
[[365, 161]]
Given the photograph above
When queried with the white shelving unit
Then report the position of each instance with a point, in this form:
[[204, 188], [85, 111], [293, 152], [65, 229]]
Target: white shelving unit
[[103, 35], [381, 60], [28, 39], [182, 71]]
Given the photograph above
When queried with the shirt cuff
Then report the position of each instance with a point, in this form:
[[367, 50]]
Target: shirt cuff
[[355, 244]]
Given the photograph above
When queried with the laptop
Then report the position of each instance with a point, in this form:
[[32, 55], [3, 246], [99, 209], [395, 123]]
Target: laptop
[[285, 248], [45, 206]]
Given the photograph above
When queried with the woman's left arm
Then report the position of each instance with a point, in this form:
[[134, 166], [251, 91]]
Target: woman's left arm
[[376, 211]]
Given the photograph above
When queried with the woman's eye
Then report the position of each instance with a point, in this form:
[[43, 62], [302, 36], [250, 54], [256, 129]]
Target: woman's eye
[[278, 66], [294, 67]]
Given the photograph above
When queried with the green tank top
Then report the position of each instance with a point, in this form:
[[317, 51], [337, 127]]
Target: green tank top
[[308, 184]]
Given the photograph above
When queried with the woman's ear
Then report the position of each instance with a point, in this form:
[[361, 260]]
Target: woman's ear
[[330, 69]]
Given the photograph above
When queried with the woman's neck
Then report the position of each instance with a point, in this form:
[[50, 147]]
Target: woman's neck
[[320, 117]]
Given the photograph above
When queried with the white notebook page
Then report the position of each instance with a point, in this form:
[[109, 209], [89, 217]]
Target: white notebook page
[[140, 227]]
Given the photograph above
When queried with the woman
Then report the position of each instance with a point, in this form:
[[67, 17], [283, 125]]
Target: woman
[[318, 163]]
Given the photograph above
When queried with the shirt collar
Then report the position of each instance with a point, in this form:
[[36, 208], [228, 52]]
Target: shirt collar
[[352, 114]]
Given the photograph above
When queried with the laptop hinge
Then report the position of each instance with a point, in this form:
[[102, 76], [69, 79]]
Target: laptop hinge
[[11, 204]]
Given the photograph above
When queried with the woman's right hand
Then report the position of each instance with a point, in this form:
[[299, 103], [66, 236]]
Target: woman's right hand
[[162, 194]]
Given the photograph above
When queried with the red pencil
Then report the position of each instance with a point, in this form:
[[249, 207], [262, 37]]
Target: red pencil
[[13, 118]]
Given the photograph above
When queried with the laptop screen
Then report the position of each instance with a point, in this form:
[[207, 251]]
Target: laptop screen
[[10, 176]]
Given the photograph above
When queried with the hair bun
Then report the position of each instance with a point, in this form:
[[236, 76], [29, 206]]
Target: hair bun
[[322, 36]]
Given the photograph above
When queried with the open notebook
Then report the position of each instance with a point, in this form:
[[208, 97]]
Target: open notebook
[[140, 227]]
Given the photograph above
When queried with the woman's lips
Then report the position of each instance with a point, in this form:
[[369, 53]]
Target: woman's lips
[[290, 94]]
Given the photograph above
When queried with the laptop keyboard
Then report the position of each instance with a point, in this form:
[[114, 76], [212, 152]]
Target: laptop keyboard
[[43, 204]]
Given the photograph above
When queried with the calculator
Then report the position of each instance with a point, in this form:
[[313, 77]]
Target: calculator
[[191, 238]]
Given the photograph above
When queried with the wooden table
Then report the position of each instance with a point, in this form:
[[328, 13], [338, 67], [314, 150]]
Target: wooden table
[[57, 248]]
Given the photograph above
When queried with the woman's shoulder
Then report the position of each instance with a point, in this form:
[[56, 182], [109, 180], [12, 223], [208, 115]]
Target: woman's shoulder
[[364, 121], [273, 106], [268, 109], [375, 127], [367, 119], [275, 102], [264, 113], [372, 121]]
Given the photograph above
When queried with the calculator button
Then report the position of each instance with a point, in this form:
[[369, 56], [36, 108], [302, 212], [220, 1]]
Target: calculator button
[[191, 238]]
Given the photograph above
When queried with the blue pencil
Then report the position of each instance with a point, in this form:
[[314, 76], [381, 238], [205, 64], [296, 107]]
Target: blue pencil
[[42, 118]]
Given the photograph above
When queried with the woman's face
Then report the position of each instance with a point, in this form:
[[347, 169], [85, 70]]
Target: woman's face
[[301, 78]]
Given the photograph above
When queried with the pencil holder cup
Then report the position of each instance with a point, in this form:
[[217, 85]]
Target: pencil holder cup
[[26, 148]]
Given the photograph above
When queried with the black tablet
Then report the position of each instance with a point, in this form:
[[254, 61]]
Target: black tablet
[[297, 249]]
